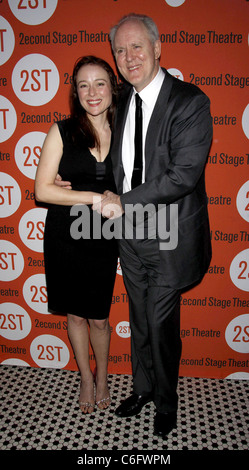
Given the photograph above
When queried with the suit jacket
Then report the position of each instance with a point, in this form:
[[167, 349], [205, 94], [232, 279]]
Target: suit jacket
[[177, 144]]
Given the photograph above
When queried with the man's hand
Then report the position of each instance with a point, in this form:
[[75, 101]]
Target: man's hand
[[110, 207], [62, 184]]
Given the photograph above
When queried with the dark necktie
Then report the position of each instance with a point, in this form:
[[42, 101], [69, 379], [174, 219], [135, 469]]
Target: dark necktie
[[138, 158]]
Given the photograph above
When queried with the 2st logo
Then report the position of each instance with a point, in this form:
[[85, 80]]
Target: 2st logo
[[31, 229], [49, 351], [27, 153], [239, 270], [33, 12], [11, 261], [35, 293], [15, 323], [123, 329], [237, 334], [8, 119], [10, 195], [35, 79], [242, 201], [7, 40]]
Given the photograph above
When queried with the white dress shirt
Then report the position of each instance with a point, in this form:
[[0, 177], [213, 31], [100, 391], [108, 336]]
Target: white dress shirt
[[148, 96]]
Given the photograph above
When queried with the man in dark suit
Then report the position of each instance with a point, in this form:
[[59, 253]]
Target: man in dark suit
[[177, 133]]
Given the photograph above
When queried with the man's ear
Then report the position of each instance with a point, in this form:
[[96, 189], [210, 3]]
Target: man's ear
[[157, 49]]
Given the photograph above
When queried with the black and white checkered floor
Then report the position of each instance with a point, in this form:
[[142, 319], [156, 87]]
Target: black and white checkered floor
[[40, 412]]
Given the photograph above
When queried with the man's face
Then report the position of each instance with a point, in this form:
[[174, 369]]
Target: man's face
[[136, 57]]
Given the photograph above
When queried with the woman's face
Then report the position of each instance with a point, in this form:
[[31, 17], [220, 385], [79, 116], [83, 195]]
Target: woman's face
[[94, 89]]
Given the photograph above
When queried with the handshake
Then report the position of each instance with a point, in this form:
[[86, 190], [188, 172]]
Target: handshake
[[108, 204]]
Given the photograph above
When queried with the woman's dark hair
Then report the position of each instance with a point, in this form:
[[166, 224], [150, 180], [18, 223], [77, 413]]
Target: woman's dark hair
[[78, 113]]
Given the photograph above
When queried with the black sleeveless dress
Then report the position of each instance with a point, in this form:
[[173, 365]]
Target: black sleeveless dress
[[80, 264]]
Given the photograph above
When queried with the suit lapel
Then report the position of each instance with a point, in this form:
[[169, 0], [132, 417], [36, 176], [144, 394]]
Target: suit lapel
[[156, 117], [122, 110]]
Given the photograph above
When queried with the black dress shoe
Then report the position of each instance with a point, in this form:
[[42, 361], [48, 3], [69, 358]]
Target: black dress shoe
[[164, 423], [132, 405]]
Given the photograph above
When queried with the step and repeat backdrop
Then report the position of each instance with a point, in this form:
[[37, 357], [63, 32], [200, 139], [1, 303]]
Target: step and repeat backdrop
[[205, 43]]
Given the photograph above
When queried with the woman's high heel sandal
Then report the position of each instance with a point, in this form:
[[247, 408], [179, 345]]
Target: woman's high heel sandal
[[104, 401], [87, 406]]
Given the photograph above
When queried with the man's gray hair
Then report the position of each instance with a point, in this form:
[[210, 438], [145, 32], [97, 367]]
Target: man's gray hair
[[148, 22]]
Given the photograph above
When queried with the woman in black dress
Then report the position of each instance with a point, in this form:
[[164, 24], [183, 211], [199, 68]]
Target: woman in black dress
[[80, 272]]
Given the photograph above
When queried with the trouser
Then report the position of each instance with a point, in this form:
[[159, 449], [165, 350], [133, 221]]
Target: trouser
[[155, 323]]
